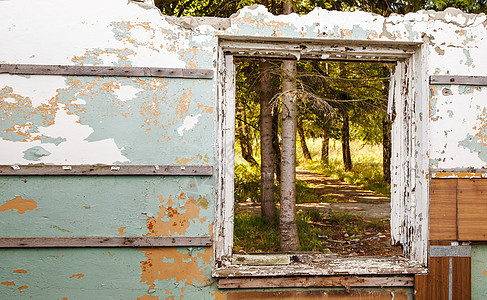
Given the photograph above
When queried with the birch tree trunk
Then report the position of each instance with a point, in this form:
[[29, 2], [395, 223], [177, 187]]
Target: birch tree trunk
[[287, 221], [268, 208]]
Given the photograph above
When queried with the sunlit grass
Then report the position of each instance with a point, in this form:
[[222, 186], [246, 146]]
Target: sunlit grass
[[366, 160]]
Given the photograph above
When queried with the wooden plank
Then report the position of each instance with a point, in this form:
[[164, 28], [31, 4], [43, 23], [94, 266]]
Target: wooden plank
[[83, 242], [377, 294], [457, 79], [112, 170], [472, 209], [435, 285], [302, 282], [105, 71], [336, 266], [461, 278], [262, 259], [443, 209]]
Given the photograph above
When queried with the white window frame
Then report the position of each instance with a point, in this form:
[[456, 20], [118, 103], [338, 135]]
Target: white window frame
[[408, 107]]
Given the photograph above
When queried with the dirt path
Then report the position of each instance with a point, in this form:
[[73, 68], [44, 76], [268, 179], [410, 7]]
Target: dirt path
[[350, 198]]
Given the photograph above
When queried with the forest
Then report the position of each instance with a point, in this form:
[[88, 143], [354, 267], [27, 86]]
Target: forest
[[307, 129]]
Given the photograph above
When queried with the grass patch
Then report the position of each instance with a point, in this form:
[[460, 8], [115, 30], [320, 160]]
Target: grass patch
[[335, 232]]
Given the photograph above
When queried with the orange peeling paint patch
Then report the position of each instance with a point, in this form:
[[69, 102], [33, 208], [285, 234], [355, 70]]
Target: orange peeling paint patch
[[20, 271], [8, 283], [64, 298], [121, 230], [179, 217], [484, 273], [21, 288], [183, 105], [181, 266], [147, 297], [19, 204], [79, 276], [183, 161]]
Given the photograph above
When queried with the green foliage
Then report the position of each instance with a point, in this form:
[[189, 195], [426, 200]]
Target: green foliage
[[247, 183]]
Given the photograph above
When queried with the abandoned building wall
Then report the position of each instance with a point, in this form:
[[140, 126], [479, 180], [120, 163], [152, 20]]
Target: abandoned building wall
[[72, 120]]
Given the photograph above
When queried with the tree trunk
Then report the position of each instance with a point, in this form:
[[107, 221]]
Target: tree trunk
[[302, 138], [268, 208], [325, 147], [245, 141], [287, 222], [276, 145], [347, 158], [386, 149]]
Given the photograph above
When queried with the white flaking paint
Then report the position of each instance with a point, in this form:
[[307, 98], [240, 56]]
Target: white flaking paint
[[188, 124], [38, 88], [67, 127], [126, 92]]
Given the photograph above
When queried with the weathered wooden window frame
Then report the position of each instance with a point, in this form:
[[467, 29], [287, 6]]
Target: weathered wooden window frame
[[408, 109]]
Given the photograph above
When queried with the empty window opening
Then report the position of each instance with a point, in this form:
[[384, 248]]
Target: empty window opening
[[343, 148], [407, 104]]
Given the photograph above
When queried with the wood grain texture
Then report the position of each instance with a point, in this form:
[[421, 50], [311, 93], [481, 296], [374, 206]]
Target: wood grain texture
[[89, 242], [112, 170], [461, 278], [457, 79], [105, 71], [472, 210], [443, 209], [302, 282], [318, 294], [434, 285]]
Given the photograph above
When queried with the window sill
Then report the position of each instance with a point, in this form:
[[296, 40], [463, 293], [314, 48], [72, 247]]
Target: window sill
[[322, 265]]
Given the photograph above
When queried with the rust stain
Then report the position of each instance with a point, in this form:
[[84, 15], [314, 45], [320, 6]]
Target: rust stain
[[21, 288], [20, 271], [78, 276], [8, 283], [178, 216], [64, 298], [484, 273], [121, 230], [187, 270], [19, 204]]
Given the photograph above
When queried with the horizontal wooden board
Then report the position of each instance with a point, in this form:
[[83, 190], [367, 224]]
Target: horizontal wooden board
[[472, 209], [456, 79], [443, 209], [302, 282], [377, 294], [325, 265], [112, 170], [88, 242], [105, 71]]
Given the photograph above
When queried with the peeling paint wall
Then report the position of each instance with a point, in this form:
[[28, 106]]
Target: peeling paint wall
[[72, 120]]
